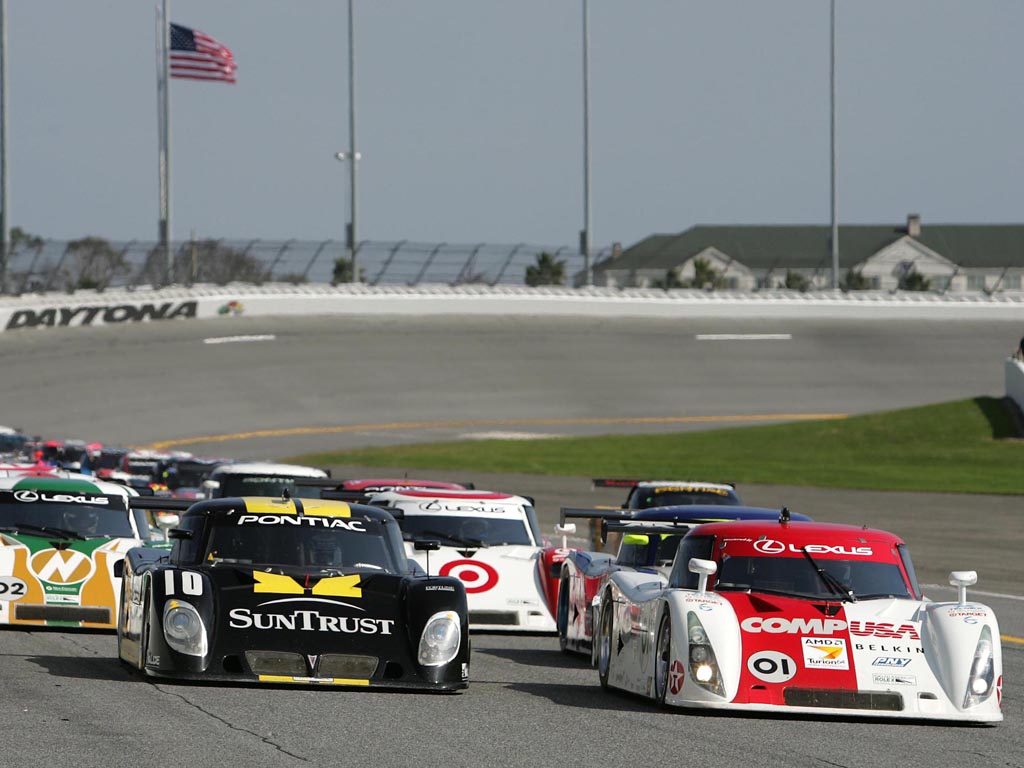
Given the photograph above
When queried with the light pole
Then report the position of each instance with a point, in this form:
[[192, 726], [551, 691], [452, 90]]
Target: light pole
[[352, 153], [350, 227], [5, 197], [585, 234], [832, 122]]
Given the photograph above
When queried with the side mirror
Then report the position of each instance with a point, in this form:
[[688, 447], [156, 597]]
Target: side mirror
[[962, 580], [165, 522], [703, 568], [428, 546], [179, 533], [565, 529]]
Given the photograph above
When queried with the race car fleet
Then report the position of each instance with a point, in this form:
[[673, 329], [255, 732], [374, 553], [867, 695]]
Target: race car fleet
[[213, 569]]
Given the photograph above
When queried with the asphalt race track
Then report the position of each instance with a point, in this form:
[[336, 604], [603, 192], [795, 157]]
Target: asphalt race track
[[300, 384]]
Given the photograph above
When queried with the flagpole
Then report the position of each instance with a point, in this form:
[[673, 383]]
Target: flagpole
[[165, 143], [5, 219]]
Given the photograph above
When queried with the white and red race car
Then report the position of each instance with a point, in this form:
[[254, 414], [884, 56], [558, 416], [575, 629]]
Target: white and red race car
[[799, 617], [491, 541]]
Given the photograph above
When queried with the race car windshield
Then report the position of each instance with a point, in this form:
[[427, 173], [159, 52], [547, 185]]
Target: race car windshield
[[66, 520], [287, 541], [647, 550], [461, 531], [109, 460], [187, 475], [684, 498], [799, 577], [141, 466]]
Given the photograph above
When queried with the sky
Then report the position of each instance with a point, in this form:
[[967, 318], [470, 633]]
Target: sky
[[469, 117]]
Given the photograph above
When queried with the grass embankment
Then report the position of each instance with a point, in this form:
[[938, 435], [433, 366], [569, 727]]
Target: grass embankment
[[968, 446]]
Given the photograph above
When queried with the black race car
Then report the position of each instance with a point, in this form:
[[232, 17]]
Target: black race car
[[283, 590]]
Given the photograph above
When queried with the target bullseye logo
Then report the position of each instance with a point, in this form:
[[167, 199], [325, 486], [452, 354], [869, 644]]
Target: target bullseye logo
[[478, 577], [676, 677]]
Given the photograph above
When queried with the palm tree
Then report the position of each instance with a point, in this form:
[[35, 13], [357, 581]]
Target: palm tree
[[796, 282], [704, 275], [669, 282], [546, 271]]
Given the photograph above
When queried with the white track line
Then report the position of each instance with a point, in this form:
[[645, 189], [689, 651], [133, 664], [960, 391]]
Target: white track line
[[744, 336], [236, 339]]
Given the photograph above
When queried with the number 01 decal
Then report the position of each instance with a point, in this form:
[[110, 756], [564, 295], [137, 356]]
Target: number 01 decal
[[771, 666], [191, 582], [11, 588]]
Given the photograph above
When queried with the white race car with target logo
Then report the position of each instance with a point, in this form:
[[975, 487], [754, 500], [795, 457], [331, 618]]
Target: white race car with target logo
[[492, 543], [799, 617]]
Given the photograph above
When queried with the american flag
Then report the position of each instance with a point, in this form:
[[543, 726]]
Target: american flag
[[197, 56]]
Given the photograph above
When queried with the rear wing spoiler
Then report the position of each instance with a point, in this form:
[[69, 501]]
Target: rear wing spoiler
[[180, 505], [617, 482], [592, 513], [159, 502], [336, 484], [358, 497], [646, 527], [613, 482]]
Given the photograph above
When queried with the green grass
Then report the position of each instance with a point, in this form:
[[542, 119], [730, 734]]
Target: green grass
[[968, 446]]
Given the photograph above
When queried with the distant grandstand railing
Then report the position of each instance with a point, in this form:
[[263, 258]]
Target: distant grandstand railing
[[51, 265]]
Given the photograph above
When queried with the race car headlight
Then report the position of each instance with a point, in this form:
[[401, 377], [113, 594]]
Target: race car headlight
[[703, 664], [183, 628], [979, 683], [440, 640]]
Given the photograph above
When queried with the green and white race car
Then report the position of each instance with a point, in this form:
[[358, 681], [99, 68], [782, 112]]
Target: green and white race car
[[60, 537]]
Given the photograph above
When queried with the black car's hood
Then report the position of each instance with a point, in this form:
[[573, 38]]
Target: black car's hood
[[305, 610]]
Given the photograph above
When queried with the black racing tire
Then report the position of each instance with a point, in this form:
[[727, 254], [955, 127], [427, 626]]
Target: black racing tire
[[603, 641], [663, 659], [562, 614]]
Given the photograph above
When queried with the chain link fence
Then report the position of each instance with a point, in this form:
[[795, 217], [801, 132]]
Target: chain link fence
[[50, 265]]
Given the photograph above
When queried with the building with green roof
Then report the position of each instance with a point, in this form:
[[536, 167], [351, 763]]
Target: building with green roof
[[942, 257]]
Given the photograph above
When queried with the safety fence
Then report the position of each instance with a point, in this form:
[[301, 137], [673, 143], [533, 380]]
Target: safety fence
[[50, 265]]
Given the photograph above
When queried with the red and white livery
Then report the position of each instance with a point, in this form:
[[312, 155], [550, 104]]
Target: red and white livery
[[799, 617], [491, 541]]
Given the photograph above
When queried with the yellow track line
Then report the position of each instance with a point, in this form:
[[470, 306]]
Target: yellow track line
[[1012, 639], [166, 444]]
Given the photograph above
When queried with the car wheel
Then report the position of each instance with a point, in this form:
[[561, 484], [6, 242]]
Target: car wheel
[[663, 658], [562, 615], [604, 642]]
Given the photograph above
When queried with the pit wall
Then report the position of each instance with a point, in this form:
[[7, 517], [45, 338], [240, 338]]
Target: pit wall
[[93, 308]]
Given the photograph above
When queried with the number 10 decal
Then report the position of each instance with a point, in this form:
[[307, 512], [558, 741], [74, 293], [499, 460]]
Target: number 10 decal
[[191, 582]]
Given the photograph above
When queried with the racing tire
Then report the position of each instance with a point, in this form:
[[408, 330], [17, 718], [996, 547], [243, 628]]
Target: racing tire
[[663, 659], [562, 615], [604, 642]]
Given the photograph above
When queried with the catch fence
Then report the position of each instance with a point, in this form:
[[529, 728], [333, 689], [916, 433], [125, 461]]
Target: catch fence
[[51, 265]]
